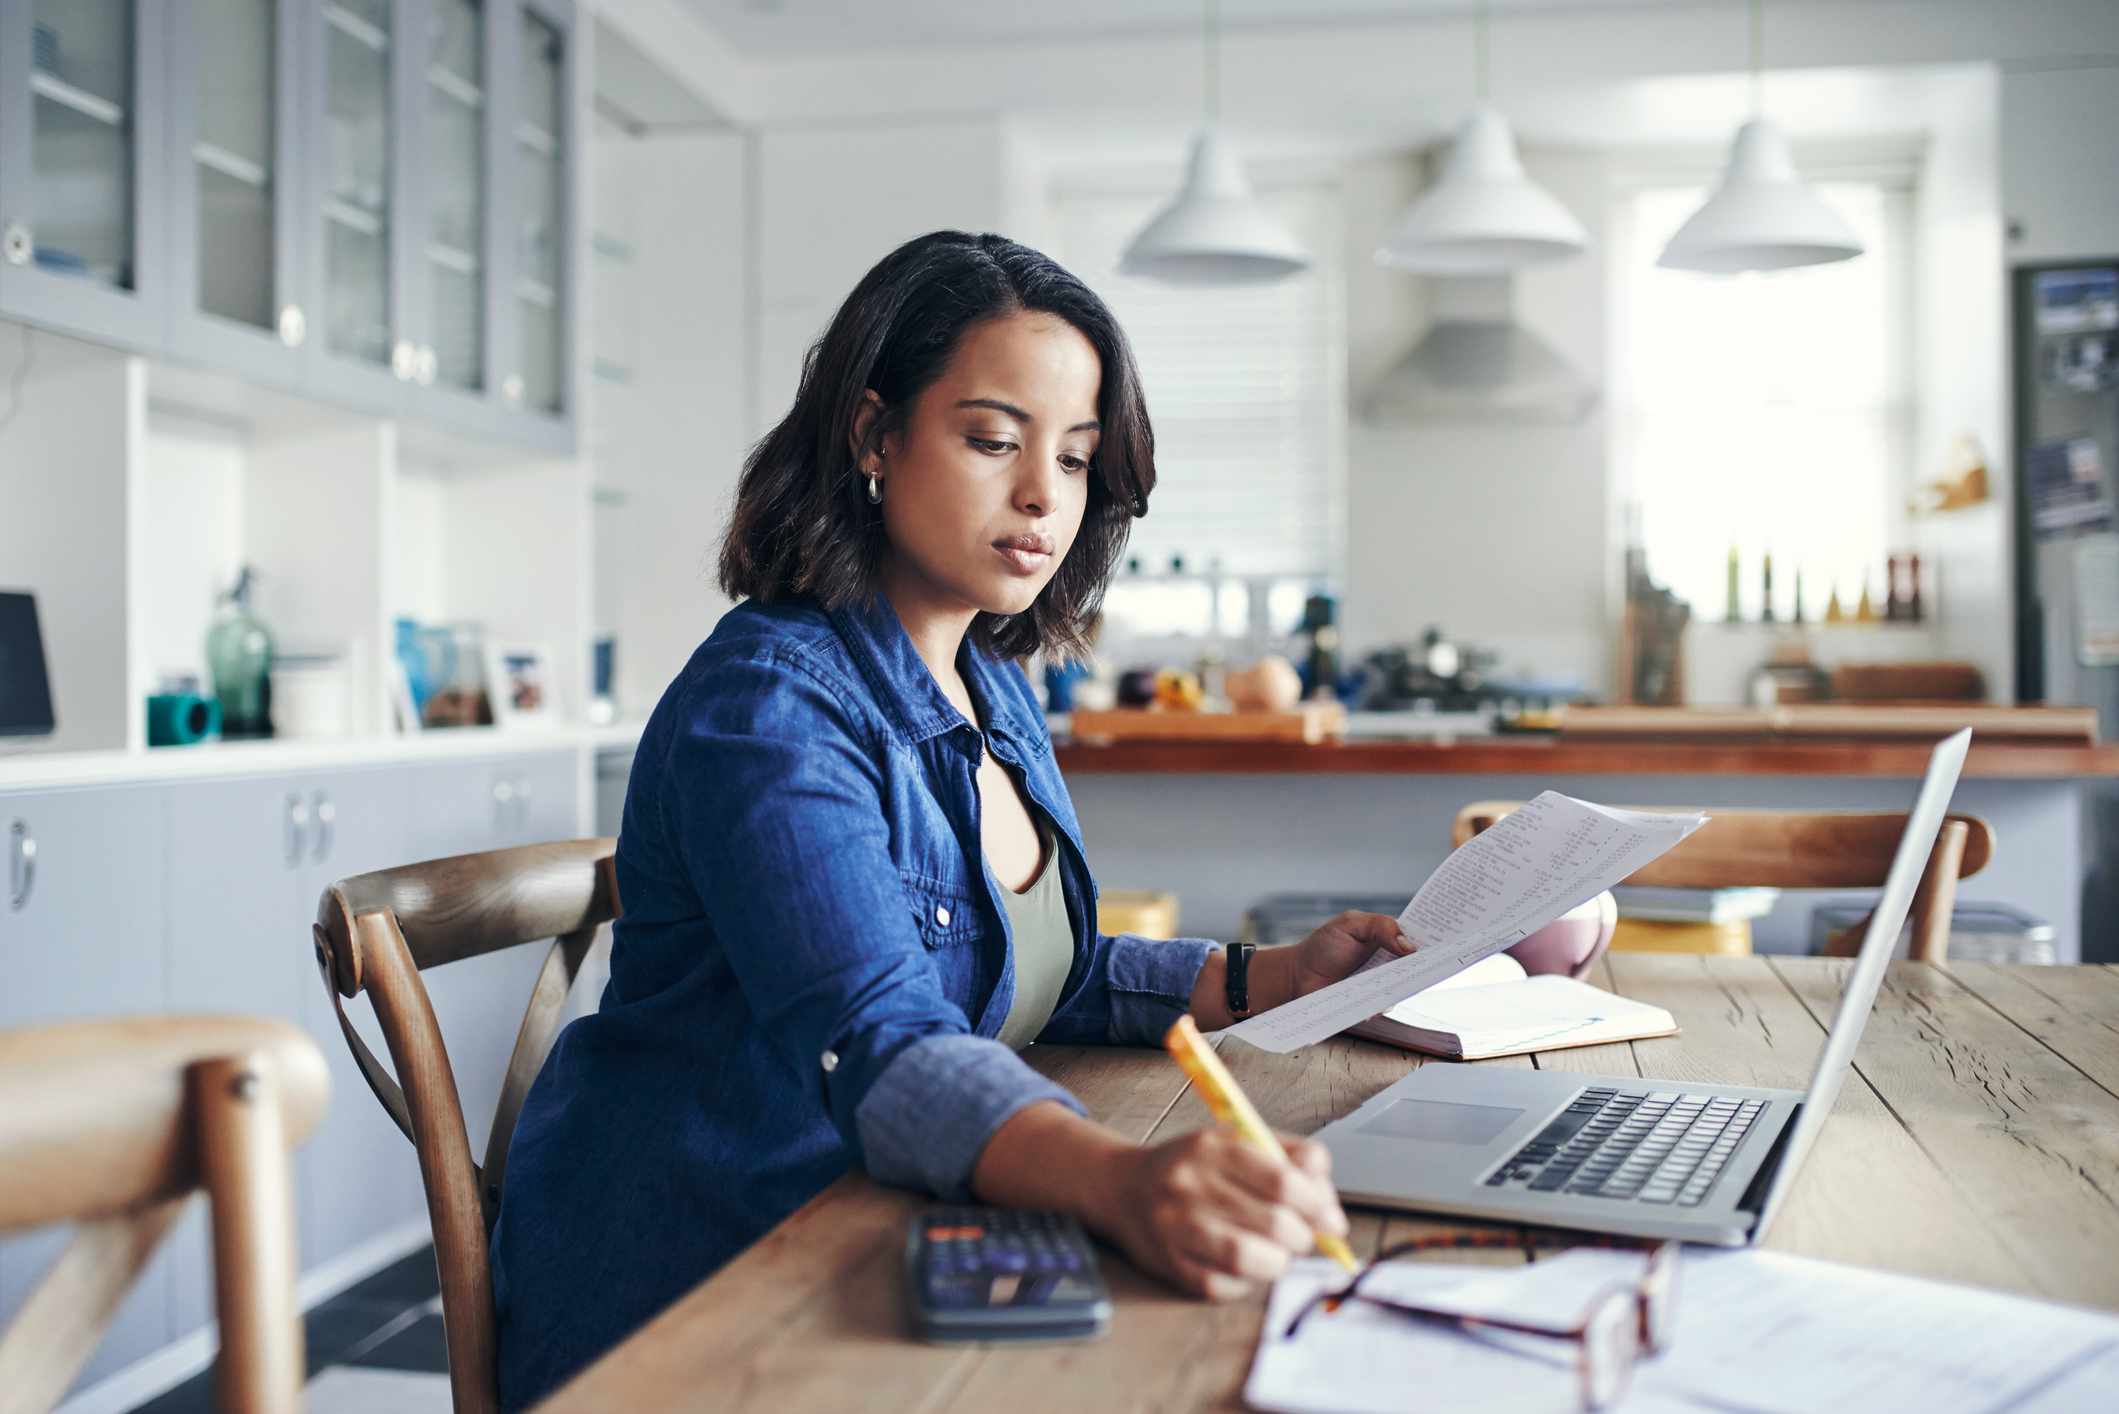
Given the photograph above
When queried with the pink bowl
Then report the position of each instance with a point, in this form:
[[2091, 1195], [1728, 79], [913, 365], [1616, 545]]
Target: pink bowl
[[1572, 942]]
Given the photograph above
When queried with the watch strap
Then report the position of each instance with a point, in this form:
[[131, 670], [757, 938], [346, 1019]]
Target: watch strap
[[1238, 985]]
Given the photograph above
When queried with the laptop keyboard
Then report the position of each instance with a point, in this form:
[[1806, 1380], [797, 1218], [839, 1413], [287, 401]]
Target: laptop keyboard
[[1660, 1147]]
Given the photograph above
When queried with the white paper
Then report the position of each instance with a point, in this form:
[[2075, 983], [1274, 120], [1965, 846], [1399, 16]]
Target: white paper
[[1359, 1360], [1534, 1013], [1766, 1332], [1494, 890]]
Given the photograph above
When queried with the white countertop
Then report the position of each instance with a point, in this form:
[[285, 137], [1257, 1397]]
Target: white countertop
[[32, 770]]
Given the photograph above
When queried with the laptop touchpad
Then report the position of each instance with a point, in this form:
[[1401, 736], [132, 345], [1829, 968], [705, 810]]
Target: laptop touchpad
[[1435, 1119]]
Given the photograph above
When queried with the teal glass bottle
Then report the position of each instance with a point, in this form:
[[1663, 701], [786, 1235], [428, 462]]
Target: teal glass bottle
[[239, 656]]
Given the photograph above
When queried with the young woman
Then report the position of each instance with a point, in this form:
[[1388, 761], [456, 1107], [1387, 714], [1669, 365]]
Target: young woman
[[853, 882]]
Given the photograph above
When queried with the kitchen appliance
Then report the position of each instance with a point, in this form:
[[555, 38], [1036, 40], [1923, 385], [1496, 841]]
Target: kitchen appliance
[[2066, 347]]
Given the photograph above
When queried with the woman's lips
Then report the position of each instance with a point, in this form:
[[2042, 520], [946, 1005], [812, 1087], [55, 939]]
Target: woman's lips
[[1025, 554], [1021, 559]]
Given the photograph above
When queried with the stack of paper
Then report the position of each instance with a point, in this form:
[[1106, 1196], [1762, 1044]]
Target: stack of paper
[[1754, 1331], [1494, 890]]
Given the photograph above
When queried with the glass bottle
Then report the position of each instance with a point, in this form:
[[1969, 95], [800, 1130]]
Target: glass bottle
[[1765, 613], [239, 657], [1733, 610]]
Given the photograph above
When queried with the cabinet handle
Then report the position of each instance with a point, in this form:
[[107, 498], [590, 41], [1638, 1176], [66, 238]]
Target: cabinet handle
[[16, 244], [297, 829], [404, 360], [511, 388], [522, 801], [426, 366], [503, 802], [21, 865], [326, 818], [294, 325]]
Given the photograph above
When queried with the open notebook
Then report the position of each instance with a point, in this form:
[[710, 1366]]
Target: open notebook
[[1492, 1009]]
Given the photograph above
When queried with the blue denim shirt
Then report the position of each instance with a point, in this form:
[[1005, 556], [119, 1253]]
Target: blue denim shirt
[[809, 974]]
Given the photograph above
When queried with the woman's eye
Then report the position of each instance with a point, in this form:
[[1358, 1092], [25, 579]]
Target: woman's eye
[[987, 445], [1074, 464]]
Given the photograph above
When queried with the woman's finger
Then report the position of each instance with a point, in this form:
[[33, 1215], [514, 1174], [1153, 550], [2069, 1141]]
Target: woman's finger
[[1278, 1181], [1200, 1281], [1221, 1246], [1273, 1221]]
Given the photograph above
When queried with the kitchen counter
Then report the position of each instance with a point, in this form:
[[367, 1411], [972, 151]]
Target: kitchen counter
[[1544, 755]]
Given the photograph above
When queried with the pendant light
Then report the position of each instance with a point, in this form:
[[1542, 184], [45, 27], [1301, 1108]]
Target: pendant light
[[1213, 232], [1484, 216], [1762, 216]]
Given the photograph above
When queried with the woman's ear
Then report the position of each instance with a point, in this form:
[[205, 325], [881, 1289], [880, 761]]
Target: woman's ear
[[865, 443]]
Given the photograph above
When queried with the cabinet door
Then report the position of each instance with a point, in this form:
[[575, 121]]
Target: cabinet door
[[81, 936], [236, 186], [534, 190], [359, 1177], [357, 254], [547, 789], [455, 136], [81, 180], [238, 931]]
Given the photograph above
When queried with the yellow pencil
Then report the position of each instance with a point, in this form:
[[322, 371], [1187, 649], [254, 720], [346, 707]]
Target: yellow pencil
[[1218, 1088]]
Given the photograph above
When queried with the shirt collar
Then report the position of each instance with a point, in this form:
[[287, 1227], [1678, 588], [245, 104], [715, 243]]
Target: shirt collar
[[872, 630]]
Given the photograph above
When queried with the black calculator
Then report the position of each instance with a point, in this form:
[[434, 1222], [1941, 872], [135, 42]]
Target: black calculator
[[1002, 1274]]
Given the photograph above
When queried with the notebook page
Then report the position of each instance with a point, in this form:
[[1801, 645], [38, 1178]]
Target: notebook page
[[1497, 888], [1536, 1012]]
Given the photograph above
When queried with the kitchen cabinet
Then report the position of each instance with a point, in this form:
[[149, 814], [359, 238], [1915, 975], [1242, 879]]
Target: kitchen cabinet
[[82, 206], [80, 937]]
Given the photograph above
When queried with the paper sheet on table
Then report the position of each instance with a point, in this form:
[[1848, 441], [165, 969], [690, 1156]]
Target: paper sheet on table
[[1761, 1331], [1358, 1360], [1496, 889]]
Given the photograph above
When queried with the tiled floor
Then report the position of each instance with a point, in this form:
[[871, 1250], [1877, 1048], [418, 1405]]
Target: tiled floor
[[389, 1325]]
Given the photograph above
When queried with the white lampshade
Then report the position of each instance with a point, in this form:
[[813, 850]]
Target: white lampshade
[[1761, 217], [1485, 216], [1213, 232]]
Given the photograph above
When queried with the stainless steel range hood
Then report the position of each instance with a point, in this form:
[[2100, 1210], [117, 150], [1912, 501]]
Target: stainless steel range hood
[[1477, 364]]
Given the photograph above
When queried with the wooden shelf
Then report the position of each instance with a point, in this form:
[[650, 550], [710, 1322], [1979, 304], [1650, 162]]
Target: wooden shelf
[[1546, 757]]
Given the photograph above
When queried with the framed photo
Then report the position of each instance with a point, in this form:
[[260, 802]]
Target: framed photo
[[519, 680], [404, 715]]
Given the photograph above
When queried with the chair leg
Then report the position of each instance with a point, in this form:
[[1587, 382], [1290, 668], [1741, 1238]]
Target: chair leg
[[63, 1319], [1936, 898], [244, 1167]]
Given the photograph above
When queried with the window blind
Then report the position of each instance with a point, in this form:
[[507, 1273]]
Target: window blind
[[1245, 386]]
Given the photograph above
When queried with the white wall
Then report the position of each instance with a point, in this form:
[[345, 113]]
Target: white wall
[[2060, 162], [668, 429], [1497, 533], [69, 448], [1961, 370]]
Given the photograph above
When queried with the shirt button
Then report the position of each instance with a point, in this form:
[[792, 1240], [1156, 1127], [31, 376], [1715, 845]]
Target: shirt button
[[830, 1061], [941, 915]]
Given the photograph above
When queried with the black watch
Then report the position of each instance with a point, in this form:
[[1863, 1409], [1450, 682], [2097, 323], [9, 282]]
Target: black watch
[[1238, 984]]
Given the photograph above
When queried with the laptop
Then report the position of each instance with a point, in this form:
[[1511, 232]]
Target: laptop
[[1621, 1154]]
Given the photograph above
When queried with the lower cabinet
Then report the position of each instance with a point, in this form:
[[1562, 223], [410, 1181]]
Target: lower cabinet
[[198, 896]]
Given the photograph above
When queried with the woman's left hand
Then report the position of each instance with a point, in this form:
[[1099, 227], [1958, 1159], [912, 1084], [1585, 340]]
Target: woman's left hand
[[1341, 946]]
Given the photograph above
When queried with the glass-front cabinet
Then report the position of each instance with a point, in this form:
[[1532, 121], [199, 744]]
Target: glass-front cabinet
[[237, 191], [81, 209], [369, 201]]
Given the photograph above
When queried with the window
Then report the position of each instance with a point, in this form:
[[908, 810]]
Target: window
[[1771, 412], [1246, 387]]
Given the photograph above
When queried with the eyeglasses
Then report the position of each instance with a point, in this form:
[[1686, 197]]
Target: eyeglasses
[[1617, 1325]]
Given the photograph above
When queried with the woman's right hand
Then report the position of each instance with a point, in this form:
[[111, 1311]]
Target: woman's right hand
[[1214, 1216]]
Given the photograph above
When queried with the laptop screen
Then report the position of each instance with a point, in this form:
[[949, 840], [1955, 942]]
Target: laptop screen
[[25, 690], [1923, 824]]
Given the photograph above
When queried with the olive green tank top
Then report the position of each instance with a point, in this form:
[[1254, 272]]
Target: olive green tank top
[[1043, 944]]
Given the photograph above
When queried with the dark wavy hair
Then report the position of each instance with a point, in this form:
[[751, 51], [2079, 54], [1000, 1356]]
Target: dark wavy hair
[[802, 524]]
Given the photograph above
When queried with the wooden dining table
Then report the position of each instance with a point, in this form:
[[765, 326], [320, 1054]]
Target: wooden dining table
[[1977, 1141]]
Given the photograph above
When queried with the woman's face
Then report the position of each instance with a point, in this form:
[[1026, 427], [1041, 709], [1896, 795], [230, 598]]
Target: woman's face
[[985, 481]]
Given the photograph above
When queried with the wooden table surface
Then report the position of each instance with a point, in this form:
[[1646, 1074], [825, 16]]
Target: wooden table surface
[[1979, 1141]]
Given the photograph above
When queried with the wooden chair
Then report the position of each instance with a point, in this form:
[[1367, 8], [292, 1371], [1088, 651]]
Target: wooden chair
[[375, 933], [1805, 849], [112, 1125]]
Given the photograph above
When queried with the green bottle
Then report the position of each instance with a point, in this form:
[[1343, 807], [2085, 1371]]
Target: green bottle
[[1733, 611], [239, 656]]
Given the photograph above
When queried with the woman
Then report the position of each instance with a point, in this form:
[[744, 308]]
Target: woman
[[852, 879]]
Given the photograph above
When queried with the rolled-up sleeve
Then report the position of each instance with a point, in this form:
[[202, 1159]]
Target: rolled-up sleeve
[[778, 810], [1131, 992]]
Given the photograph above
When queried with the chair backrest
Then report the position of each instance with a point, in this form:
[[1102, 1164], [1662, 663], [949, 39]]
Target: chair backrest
[[374, 933], [111, 1125], [1804, 849]]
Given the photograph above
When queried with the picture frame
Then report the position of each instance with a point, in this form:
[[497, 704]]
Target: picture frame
[[521, 685], [404, 715]]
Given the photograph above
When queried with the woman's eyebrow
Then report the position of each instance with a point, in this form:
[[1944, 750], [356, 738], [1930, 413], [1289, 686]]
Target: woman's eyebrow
[[1092, 425]]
